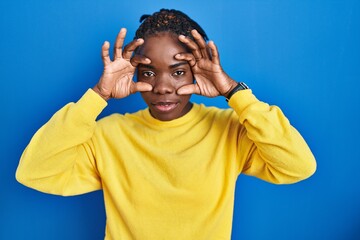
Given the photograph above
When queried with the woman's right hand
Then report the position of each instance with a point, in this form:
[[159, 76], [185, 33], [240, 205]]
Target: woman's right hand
[[117, 78]]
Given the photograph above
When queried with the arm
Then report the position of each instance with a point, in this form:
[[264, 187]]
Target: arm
[[275, 152], [60, 159]]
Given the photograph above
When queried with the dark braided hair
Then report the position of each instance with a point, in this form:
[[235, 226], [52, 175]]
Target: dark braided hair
[[168, 20]]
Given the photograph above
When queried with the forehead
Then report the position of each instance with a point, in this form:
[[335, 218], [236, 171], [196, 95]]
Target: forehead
[[161, 46]]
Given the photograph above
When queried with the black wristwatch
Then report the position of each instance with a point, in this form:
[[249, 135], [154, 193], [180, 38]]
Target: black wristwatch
[[240, 86]]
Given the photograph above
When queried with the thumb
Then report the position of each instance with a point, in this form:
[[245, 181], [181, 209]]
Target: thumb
[[188, 89], [141, 87]]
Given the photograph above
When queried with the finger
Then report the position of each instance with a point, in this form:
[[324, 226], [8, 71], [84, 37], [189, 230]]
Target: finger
[[189, 89], [214, 53], [141, 87], [186, 57], [119, 43], [138, 59], [201, 43], [192, 46], [105, 53], [130, 48]]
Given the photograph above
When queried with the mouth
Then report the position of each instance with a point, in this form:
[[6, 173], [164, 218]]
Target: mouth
[[165, 106]]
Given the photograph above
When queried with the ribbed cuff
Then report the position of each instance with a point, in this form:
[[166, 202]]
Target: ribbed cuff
[[91, 103], [241, 100]]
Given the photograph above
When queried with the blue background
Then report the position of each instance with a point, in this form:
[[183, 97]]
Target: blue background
[[303, 56]]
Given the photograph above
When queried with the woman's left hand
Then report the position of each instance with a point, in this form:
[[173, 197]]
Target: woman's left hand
[[211, 80]]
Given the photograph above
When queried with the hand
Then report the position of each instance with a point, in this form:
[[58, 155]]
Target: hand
[[211, 80], [117, 78]]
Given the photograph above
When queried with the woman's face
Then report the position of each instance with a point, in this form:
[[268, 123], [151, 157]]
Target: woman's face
[[166, 75]]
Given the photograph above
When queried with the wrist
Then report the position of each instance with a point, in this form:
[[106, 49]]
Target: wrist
[[239, 87], [233, 84], [98, 91]]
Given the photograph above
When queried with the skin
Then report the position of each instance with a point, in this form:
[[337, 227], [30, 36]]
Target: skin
[[166, 69], [166, 75]]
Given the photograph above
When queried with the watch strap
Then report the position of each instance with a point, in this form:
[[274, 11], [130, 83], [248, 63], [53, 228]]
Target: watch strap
[[240, 86]]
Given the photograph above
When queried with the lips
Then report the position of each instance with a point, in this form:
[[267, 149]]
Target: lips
[[165, 106]]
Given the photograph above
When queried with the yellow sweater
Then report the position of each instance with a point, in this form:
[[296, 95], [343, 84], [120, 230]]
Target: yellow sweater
[[164, 180]]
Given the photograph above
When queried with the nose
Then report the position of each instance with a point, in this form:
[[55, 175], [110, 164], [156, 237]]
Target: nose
[[163, 85]]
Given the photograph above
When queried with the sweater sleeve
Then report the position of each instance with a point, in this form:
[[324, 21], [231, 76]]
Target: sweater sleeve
[[60, 157], [276, 151]]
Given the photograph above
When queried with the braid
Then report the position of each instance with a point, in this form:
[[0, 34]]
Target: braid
[[168, 20]]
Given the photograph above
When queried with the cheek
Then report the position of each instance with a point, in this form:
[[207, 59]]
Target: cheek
[[184, 99], [146, 96], [187, 79]]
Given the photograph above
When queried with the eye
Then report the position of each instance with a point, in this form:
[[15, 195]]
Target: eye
[[148, 74], [179, 73]]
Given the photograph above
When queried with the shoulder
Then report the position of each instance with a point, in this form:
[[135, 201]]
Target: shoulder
[[219, 120], [118, 119], [216, 112]]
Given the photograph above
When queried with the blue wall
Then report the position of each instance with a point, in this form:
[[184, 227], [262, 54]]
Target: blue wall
[[301, 55]]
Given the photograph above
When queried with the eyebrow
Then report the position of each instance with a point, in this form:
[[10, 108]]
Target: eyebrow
[[177, 65], [149, 66]]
